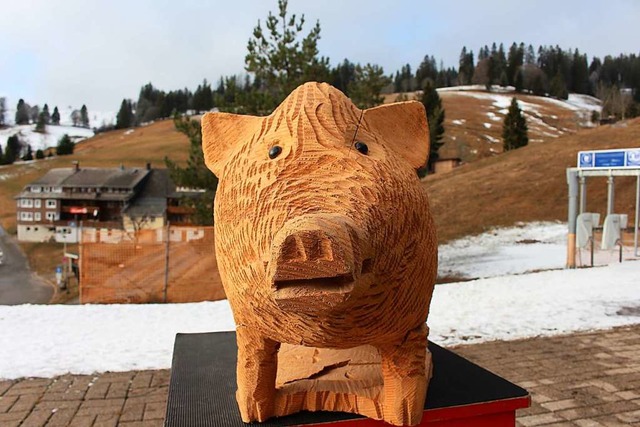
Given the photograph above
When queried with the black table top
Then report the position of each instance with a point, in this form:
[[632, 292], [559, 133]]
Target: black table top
[[203, 385]]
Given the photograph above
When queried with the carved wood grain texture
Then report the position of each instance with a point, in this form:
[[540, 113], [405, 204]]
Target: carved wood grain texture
[[325, 247]]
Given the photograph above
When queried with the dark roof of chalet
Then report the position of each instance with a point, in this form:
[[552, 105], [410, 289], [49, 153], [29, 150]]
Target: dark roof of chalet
[[152, 198], [126, 178]]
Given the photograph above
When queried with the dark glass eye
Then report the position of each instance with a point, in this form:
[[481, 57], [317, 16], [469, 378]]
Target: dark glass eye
[[362, 147], [275, 151]]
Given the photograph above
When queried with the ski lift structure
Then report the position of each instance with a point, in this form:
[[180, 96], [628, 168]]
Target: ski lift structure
[[607, 164]]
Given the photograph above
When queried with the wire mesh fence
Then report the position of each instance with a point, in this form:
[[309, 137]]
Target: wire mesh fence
[[171, 264]]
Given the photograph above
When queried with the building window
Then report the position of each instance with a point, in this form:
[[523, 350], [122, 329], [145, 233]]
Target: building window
[[52, 216], [37, 216], [36, 189], [26, 216], [26, 203], [37, 203], [51, 204]]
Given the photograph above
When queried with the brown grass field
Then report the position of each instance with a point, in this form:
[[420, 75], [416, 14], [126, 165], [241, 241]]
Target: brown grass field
[[528, 184]]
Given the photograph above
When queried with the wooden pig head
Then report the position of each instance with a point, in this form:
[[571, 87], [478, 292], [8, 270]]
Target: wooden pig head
[[324, 238]]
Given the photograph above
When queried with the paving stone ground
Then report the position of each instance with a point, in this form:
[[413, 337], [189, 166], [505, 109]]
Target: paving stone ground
[[583, 380], [101, 400]]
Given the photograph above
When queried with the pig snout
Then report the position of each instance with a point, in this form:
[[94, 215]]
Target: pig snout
[[317, 257]]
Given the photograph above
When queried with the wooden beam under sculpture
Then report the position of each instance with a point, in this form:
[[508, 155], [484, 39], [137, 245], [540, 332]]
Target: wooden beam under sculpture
[[326, 246]]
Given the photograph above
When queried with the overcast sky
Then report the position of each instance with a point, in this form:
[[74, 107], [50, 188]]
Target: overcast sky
[[70, 52]]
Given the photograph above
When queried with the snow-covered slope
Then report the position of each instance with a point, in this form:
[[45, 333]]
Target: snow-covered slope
[[49, 138], [52, 133]]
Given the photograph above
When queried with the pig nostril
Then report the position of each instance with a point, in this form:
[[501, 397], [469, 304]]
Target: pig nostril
[[293, 249], [367, 265]]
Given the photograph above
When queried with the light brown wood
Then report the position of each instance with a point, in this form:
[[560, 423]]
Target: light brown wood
[[328, 250]]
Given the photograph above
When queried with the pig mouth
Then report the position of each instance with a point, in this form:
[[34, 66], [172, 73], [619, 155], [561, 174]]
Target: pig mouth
[[340, 283]]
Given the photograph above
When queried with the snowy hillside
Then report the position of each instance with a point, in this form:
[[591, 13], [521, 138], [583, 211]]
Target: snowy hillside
[[98, 338], [52, 133], [28, 135]]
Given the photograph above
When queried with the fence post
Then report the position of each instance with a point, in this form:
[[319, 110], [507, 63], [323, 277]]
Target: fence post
[[166, 263]]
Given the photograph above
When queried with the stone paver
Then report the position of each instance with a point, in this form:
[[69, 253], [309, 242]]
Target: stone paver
[[101, 400], [581, 380]]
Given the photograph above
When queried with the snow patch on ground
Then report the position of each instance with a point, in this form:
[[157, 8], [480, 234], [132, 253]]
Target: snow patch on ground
[[458, 121], [546, 303], [465, 88], [50, 138], [41, 340], [494, 117], [504, 251], [492, 139], [487, 125]]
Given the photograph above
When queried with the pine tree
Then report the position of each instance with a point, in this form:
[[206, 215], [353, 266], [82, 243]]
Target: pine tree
[[428, 70], [515, 60], [29, 154], [1, 156], [84, 117], [579, 73], [519, 80], [343, 75], [65, 146], [368, 84], [47, 116], [465, 67], [435, 117], [39, 154], [558, 88], [514, 130], [14, 147], [281, 58], [41, 123], [203, 97], [125, 117], [55, 117], [22, 113], [3, 110], [504, 81]]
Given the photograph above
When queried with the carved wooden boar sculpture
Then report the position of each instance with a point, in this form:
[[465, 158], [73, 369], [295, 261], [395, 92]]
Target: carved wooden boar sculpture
[[324, 239]]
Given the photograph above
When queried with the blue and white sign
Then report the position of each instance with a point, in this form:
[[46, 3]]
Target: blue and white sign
[[609, 159]]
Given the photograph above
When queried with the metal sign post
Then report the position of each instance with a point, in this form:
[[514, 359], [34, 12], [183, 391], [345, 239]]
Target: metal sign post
[[635, 230], [607, 164]]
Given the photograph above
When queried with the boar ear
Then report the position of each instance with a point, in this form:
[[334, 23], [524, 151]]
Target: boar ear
[[221, 132], [403, 128]]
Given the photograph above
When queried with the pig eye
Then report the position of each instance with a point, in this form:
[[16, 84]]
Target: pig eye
[[275, 151], [361, 147]]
